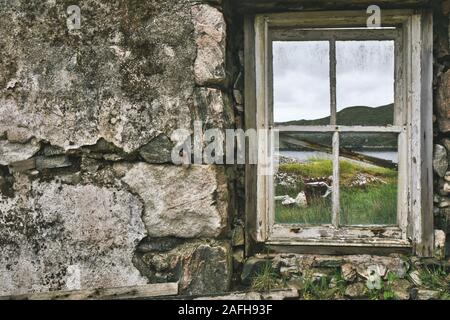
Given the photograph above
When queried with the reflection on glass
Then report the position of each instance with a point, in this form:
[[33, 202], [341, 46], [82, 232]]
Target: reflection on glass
[[303, 181], [365, 82], [301, 84], [368, 179]]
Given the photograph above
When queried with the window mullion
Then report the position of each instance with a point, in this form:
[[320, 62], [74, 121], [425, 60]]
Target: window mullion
[[335, 186]]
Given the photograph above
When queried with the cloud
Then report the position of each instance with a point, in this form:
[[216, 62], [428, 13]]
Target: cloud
[[365, 72]]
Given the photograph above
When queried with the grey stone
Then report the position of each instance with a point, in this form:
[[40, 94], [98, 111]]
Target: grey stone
[[113, 79], [52, 162], [251, 268], [199, 267], [355, 290], [158, 151], [181, 202], [440, 161], [425, 294], [402, 289], [238, 236], [15, 152], [349, 272], [439, 244], [210, 36], [61, 237], [18, 135]]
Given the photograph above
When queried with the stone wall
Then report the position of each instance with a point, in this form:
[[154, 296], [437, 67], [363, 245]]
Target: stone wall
[[89, 197]]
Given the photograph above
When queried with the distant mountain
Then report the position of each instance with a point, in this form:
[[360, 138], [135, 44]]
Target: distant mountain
[[351, 116]]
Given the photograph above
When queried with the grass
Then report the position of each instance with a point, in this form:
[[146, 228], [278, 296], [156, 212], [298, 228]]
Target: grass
[[325, 288], [436, 279], [266, 279], [375, 203]]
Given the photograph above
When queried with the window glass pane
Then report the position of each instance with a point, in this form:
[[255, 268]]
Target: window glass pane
[[301, 84], [302, 183], [365, 82], [368, 178]]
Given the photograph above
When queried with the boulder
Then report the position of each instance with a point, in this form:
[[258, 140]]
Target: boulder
[[179, 201], [440, 161]]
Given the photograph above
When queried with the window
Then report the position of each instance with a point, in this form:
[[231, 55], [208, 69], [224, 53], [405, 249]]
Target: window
[[351, 110]]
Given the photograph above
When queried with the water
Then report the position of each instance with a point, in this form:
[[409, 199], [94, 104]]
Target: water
[[305, 155]]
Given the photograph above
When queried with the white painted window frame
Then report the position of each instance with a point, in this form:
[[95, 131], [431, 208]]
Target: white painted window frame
[[412, 122]]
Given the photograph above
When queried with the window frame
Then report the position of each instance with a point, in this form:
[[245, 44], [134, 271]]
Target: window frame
[[413, 114]]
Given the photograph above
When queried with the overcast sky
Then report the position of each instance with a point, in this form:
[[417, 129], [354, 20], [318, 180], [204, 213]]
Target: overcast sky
[[365, 73]]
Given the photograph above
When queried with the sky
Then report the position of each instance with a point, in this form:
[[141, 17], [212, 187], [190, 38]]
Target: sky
[[364, 75]]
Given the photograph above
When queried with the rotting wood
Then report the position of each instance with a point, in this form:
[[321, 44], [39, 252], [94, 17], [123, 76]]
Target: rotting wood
[[135, 292]]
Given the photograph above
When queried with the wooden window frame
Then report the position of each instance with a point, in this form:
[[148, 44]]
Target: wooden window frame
[[412, 122]]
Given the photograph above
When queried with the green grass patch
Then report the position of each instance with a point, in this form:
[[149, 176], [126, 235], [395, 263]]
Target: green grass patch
[[374, 203]]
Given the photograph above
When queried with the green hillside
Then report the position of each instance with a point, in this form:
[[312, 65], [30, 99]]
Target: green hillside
[[365, 116], [351, 116]]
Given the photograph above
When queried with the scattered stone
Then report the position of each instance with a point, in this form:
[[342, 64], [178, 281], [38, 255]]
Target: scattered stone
[[158, 151], [363, 179], [444, 203], [402, 289], [299, 201], [348, 272], [251, 267], [355, 290], [415, 277], [424, 294], [210, 28], [439, 244], [15, 152], [440, 161]]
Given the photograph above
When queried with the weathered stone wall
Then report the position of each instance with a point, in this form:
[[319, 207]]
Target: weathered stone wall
[[89, 197], [88, 194]]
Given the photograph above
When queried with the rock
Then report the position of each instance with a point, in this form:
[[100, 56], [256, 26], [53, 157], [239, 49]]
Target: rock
[[158, 150], [415, 278], [365, 263], [181, 202], [439, 244], [18, 135], [251, 268], [211, 106], [401, 289], [52, 162], [50, 231], [447, 176], [210, 36], [443, 102], [238, 236], [238, 97], [440, 161], [199, 267], [424, 294], [348, 272], [208, 270], [238, 258], [355, 290], [15, 152], [446, 188], [375, 273], [125, 86], [300, 200]]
